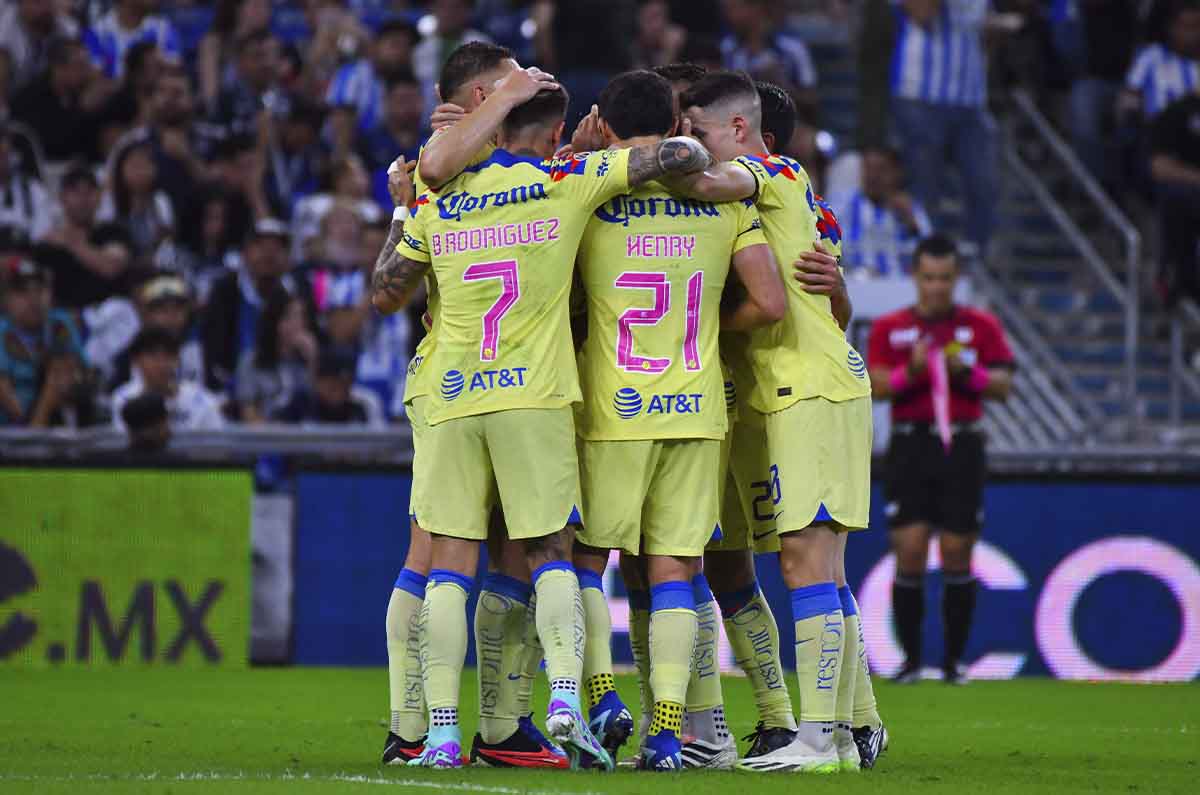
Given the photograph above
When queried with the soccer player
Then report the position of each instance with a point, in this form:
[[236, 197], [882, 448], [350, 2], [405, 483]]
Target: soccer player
[[653, 414], [506, 737], [500, 415], [813, 390]]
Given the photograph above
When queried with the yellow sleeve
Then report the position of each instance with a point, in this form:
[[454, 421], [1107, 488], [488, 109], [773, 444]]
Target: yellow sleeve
[[749, 226], [594, 177], [765, 196], [414, 243]]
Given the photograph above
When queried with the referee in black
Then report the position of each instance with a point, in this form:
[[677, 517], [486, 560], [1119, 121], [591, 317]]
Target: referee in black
[[936, 352]]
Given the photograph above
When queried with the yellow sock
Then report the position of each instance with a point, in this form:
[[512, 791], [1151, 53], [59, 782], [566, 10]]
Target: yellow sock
[[754, 637], [820, 633], [704, 687], [560, 620], [500, 617], [639, 644], [406, 691], [444, 636], [597, 630], [668, 715], [865, 712], [848, 673], [531, 659], [672, 639]]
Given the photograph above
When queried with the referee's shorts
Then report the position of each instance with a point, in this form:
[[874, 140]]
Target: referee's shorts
[[925, 484]]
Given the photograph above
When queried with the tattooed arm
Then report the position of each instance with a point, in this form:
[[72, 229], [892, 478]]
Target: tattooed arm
[[677, 155], [395, 277], [722, 182]]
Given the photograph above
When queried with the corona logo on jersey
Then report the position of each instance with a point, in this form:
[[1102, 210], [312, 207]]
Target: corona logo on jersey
[[455, 204], [454, 382], [628, 403], [623, 208]]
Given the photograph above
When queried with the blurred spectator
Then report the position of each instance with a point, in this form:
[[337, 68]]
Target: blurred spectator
[[232, 19], [136, 201], [291, 151], [128, 103], [129, 22], [757, 46], [154, 354], [165, 302], [333, 398], [703, 51], [1163, 73], [398, 133], [453, 19], [1175, 166], [698, 16], [584, 43], [281, 364], [30, 334], [338, 35], [881, 224], [66, 398], [208, 246], [253, 88], [313, 238], [145, 416], [358, 89], [88, 260], [26, 209], [939, 90], [230, 325], [26, 29], [53, 105], [1094, 40], [659, 40], [236, 170]]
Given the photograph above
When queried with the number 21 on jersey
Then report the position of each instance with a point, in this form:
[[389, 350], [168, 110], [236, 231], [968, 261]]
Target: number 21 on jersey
[[660, 284]]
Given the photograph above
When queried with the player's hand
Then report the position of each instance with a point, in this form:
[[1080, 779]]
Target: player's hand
[[445, 115], [400, 184], [588, 137], [522, 85], [955, 366], [919, 362], [818, 271], [685, 125]]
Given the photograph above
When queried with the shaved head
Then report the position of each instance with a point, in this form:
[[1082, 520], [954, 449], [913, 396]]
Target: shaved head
[[725, 114]]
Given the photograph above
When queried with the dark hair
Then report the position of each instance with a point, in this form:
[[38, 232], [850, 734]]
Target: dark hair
[[546, 108], [303, 110], [701, 47], [891, 153], [153, 339], [680, 72], [468, 62], [230, 147], [136, 55], [143, 411], [225, 16], [717, 87], [266, 344], [78, 171], [936, 245], [247, 40], [638, 103], [59, 50], [778, 113], [397, 25], [121, 196]]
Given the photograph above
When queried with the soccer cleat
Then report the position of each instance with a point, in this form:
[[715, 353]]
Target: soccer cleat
[[871, 744], [849, 760], [397, 750], [801, 755], [954, 673], [910, 674], [763, 740], [565, 724], [443, 749], [610, 722], [661, 752], [526, 747], [697, 753]]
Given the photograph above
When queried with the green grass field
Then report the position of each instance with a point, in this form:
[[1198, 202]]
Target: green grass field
[[320, 730]]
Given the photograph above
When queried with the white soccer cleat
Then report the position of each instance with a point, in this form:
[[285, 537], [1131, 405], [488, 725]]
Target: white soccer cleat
[[697, 753], [849, 760], [812, 751]]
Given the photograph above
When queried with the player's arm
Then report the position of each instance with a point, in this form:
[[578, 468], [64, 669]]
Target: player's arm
[[670, 157], [450, 151], [396, 277], [819, 272], [718, 182], [765, 301]]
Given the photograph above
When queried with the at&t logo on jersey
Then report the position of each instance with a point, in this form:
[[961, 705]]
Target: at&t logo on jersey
[[628, 403], [855, 362], [454, 381], [730, 395]]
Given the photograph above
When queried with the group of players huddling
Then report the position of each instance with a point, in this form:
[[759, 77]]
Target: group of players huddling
[[594, 378]]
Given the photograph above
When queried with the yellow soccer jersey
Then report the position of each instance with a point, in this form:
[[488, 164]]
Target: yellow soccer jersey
[[501, 238], [805, 354], [654, 267], [415, 384]]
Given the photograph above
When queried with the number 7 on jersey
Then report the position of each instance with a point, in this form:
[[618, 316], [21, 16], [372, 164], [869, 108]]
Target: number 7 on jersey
[[510, 291]]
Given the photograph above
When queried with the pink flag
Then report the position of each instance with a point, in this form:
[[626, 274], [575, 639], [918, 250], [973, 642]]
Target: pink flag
[[940, 381]]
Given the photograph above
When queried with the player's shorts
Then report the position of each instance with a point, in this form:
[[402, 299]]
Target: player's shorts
[[749, 492], [415, 411], [821, 452], [650, 496], [922, 483], [525, 456]]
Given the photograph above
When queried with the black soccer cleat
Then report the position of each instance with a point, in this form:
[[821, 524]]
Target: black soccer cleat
[[871, 744], [763, 740], [398, 751], [954, 673], [526, 747], [910, 674]]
